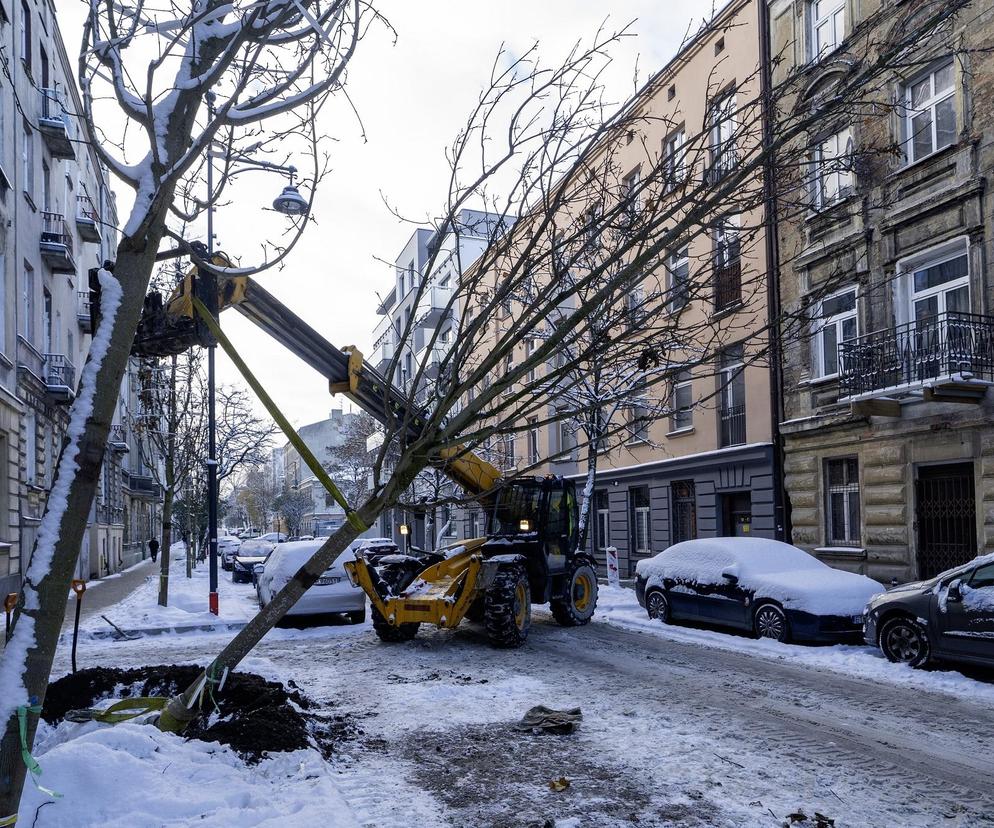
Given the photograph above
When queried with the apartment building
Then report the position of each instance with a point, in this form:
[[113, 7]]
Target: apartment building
[[57, 221], [889, 443]]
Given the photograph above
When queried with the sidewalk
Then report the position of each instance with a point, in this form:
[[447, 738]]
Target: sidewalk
[[106, 592]]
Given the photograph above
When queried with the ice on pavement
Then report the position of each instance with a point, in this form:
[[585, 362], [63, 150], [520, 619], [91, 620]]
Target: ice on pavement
[[769, 568]]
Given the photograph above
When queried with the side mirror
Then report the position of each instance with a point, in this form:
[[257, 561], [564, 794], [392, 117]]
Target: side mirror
[[954, 593], [731, 577], [258, 569]]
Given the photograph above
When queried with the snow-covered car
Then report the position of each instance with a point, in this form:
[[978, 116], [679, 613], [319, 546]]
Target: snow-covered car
[[332, 593], [373, 549], [950, 616], [226, 548], [770, 588]]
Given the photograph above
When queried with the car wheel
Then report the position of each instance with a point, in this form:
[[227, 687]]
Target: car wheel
[[658, 606], [771, 622], [358, 617], [904, 641]]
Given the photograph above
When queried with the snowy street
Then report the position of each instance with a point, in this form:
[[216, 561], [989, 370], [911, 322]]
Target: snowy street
[[680, 727]]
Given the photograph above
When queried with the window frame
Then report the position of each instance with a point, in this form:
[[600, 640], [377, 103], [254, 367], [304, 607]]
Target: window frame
[[674, 159], [682, 380], [721, 134], [842, 168], [640, 514], [726, 237], [850, 487], [602, 520], [930, 105], [829, 19], [820, 323], [676, 259]]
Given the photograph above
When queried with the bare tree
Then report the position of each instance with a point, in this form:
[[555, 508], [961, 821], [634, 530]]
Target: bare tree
[[292, 505], [351, 461], [257, 496], [183, 84], [244, 438]]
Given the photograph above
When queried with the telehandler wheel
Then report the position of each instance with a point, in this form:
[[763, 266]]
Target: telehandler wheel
[[576, 606], [507, 608], [388, 632]]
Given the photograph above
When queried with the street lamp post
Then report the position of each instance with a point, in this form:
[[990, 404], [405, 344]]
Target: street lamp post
[[291, 203]]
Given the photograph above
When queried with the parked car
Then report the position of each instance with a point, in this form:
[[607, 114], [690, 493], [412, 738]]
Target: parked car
[[373, 549], [332, 593], [263, 544], [948, 617], [226, 548], [770, 588]]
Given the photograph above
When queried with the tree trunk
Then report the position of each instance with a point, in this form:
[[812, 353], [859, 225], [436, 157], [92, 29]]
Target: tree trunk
[[170, 487], [593, 433], [27, 660]]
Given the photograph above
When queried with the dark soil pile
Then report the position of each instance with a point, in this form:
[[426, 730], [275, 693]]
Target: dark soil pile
[[255, 716]]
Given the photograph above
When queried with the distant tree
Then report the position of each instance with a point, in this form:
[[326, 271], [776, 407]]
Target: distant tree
[[351, 461], [292, 505]]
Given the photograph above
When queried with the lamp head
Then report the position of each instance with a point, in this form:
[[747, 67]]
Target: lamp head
[[290, 202]]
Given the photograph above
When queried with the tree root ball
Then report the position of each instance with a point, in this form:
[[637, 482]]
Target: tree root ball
[[254, 717]]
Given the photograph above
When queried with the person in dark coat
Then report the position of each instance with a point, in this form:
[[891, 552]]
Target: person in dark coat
[[153, 548]]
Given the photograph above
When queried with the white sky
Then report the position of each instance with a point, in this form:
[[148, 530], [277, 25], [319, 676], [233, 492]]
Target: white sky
[[412, 97]]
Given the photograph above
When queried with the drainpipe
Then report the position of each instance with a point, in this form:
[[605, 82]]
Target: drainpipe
[[781, 506]]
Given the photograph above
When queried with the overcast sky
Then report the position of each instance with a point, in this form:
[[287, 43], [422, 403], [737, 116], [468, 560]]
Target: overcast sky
[[412, 96]]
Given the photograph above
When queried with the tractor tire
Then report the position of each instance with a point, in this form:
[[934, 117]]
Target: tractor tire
[[507, 608], [388, 632], [576, 607]]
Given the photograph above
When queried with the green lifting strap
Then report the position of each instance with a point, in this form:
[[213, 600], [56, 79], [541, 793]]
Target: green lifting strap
[[276, 414]]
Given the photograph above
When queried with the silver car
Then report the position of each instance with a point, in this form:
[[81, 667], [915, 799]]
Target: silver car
[[331, 594]]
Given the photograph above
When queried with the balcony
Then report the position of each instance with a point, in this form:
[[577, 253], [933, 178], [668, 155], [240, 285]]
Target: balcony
[[383, 354], [432, 305], [83, 314], [118, 439], [56, 125], [144, 485], [87, 219], [945, 358], [430, 360], [57, 247], [722, 163], [732, 422], [60, 378]]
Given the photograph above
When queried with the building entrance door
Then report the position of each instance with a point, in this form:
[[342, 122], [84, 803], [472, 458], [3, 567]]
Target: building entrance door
[[945, 517]]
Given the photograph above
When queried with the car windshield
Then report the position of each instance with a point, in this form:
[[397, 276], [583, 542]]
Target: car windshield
[[516, 502]]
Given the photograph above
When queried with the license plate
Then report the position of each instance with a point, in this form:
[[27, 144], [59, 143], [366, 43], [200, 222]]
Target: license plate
[[327, 581]]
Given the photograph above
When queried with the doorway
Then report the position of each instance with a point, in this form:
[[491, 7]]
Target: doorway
[[736, 514], [945, 517]]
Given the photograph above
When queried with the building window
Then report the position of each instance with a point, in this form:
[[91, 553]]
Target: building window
[[635, 308], [3, 317], [532, 440], [842, 502], [940, 285], [828, 23], [602, 523], [683, 402], [31, 447], [674, 159], [565, 432], [723, 127], [26, 35], [930, 104], [507, 451], [678, 273], [28, 303], [638, 422], [731, 398], [632, 194], [833, 177], [684, 511], [641, 527], [727, 264], [28, 157], [835, 322], [530, 345]]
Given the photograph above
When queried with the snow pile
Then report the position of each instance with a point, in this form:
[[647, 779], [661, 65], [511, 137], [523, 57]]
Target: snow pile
[[187, 601], [132, 776], [770, 569], [13, 692], [617, 606]]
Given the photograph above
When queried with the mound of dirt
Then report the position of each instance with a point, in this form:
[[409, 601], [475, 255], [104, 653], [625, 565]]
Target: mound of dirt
[[255, 716]]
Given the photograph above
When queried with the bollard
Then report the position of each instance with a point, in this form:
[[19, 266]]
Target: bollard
[[613, 573], [78, 587], [8, 607]]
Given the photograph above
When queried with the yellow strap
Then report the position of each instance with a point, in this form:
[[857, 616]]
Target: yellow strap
[[122, 711], [276, 414], [8, 820]]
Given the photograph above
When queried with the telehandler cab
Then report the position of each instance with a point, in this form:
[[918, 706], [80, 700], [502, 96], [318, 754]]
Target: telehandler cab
[[530, 554]]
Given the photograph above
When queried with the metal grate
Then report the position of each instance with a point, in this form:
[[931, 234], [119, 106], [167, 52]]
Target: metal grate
[[684, 510], [945, 514], [733, 425]]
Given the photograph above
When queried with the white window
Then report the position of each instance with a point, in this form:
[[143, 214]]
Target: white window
[[31, 447], [674, 159], [28, 157], [638, 497], [842, 514], [565, 433], [638, 422], [631, 193], [683, 401], [678, 273], [835, 322], [530, 345], [603, 526], [723, 126], [532, 441], [940, 285], [828, 23], [930, 105], [28, 303], [833, 169]]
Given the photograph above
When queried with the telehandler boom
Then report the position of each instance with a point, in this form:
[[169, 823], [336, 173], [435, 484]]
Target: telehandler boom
[[530, 554]]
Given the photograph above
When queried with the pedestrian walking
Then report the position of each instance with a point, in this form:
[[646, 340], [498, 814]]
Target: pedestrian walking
[[153, 548]]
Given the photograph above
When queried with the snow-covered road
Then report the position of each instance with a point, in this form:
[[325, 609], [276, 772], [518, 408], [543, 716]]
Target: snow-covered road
[[676, 731]]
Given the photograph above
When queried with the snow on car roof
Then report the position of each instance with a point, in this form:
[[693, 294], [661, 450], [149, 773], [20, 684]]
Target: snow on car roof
[[769, 568], [287, 558]]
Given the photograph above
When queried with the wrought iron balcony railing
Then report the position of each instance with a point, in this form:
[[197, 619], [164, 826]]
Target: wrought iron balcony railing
[[60, 377], [949, 346], [732, 419], [727, 285]]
